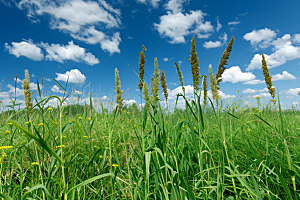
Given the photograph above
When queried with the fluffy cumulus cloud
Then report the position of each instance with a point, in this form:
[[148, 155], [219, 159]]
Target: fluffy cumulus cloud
[[284, 76], [26, 49], [18, 80], [293, 91], [19, 92], [75, 76], [249, 90], [177, 25], [235, 75], [166, 59], [284, 50], [55, 88], [174, 5], [211, 44], [129, 102], [254, 82], [79, 18], [154, 3], [73, 52]]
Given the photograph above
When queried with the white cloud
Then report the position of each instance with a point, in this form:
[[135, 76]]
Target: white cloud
[[174, 5], [285, 76], [211, 44], [165, 59], [265, 94], [33, 86], [26, 49], [224, 38], [154, 3], [55, 88], [18, 80], [130, 38], [78, 18], [47, 79], [249, 90], [295, 103], [129, 102], [234, 75], [19, 92], [233, 23], [255, 37], [75, 76], [219, 26], [293, 92], [3, 94], [263, 90], [176, 25], [296, 38], [73, 52], [284, 51], [254, 82]]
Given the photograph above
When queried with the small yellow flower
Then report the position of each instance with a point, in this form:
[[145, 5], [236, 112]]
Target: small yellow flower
[[64, 136], [211, 117], [260, 111], [10, 123], [89, 118], [221, 117], [4, 155], [55, 165], [115, 165], [28, 122], [206, 133], [100, 156], [80, 117], [85, 136], [35, 163], [61, 115], [49, 109], [248, 129], [95, 146], [7, 131], [236, 106], [6, 147], [256, 109], [61, 146], [134, 125], [41, 124], [194, 127]]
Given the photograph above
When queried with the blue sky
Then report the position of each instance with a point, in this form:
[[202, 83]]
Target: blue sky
[[89, 39]]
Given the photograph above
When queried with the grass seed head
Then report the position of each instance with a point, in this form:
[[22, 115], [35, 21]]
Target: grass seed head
[[119, 92], [205, 89], [268, 78], [27, 93], [213, 85], [142, 67], [194, 65], [164, 83], [180, 77]]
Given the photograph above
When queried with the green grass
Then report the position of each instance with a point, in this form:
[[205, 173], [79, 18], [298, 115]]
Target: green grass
[[196, 153]]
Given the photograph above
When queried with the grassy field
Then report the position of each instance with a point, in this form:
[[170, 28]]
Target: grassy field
[[215, 151]]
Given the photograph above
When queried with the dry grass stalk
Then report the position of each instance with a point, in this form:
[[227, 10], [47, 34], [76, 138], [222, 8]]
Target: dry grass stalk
[[142, 68], [156, 82], [119, 92], [213, 85], [26, 89], [223, 61], [180, 77], [194, 65], [268, 78], [164, 83], [205, 89]]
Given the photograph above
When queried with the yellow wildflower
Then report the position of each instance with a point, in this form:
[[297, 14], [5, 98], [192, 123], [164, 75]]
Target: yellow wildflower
[[6, 147], [35, 163], [41, 124], [7, 131], [61, 146], [248, 129], [10, 123], [55, 165], [100, 156], [64, 136], [80, 117], [85, 136], [115, 165], [95, 146], [49, 109], [211, 117], [89, 118]]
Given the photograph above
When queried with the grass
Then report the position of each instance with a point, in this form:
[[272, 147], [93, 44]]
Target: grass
[[201, 152]]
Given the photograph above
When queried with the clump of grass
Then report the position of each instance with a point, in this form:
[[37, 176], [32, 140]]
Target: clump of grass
[[27, 93], [213, 85], [268, 78], [194, 65], [180, 77], [223, 61], [119, 92], [164, 83]]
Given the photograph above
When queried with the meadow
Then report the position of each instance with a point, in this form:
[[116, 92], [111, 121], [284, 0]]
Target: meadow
[[216, 150]]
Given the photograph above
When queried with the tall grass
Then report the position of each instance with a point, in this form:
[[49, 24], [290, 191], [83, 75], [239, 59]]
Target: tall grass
[[73, 152]]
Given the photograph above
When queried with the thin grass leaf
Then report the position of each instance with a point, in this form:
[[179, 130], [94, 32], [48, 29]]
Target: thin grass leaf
[[5, 197], [39, 186], [58, 84]]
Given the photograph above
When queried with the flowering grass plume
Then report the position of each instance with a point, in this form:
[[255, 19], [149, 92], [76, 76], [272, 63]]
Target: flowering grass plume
[[223, 61], [180, 77], [213, 85], [142, 68], [27, 93], [163, 83], [146, 96], [119, 92], [268, 78], [194, 65], [205, 89], [155, 86]]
